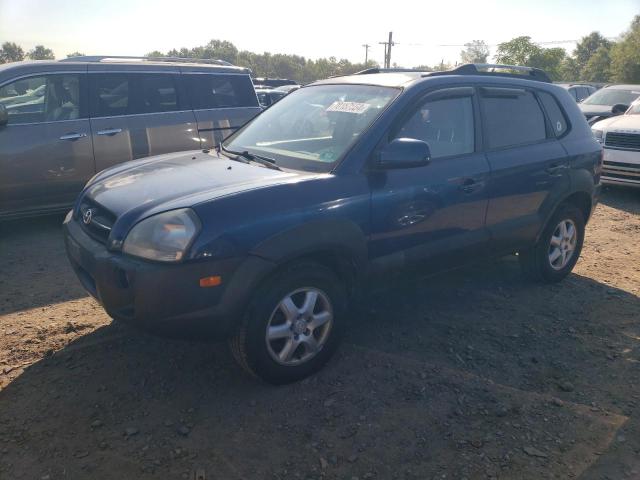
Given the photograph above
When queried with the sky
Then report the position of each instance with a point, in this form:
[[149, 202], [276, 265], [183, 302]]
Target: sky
[[425, 32]]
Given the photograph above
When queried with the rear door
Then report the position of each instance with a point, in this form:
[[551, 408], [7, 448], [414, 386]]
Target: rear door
[[45, 150], [222, 103], [529, 166], [136, 114]]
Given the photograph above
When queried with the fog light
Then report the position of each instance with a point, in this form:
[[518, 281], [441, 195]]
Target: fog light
[[213, 281]]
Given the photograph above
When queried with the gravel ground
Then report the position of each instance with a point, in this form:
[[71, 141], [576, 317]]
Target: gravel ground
[[470, 374]]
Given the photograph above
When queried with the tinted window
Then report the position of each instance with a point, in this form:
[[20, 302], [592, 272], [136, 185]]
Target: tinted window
[[512, 117], [48, 98], [446, 125], [158, 93], [554, 112], [574, 93], [109, 95], [582, 93], [217, 91]]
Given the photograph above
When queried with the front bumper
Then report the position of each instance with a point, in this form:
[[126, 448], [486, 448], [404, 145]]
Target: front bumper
[[163, 297], [621, 167]]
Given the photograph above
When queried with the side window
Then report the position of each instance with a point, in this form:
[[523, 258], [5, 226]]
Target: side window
[[512, 117], [109, 94], [554, 112], [48, 98], [158, 93], [446, 125], [218, 91], [574, 93]]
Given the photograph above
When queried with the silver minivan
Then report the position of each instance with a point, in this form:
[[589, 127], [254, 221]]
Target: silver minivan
[[63, 121]]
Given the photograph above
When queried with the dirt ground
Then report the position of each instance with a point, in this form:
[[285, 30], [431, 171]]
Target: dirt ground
[[470, 374]]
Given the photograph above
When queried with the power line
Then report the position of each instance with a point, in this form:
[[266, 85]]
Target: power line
[[387, 50]]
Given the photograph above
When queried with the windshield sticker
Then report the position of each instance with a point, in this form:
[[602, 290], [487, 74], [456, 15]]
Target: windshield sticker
[[348, 107]]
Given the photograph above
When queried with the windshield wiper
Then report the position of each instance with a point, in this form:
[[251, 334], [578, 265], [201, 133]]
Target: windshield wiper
[[252, 157]]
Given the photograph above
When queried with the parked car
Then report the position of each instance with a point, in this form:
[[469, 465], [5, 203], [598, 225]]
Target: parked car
[[268, 240], [66, 120], [620, 137], [272, 82], [287, 88], [579, 91], [269, 96], [609, 101]]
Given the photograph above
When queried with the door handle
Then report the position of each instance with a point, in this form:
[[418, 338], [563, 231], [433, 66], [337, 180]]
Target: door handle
[[470, 185], [73, 136], [556, 168], [109, 131]]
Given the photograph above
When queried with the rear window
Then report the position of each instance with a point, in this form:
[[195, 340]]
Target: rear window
[[554, 112], [219, 91], [512, 117], [109, 95]]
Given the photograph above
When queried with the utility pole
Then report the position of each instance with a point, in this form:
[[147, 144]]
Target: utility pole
[[366, 53], [387, 50]]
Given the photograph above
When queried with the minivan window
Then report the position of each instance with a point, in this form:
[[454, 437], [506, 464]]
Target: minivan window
[[219, 91], [512, 119], [158, 93], [47, 98], [554, 112], [109, 94], [446, 125]]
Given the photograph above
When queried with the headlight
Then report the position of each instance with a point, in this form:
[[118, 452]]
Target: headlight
[[164, 237], [598, 134]]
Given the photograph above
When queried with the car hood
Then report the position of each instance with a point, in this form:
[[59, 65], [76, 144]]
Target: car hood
[[145, 187], [621, 123], [595, 110]]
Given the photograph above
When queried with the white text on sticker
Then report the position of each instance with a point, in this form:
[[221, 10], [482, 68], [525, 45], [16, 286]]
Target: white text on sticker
[[348, 107]]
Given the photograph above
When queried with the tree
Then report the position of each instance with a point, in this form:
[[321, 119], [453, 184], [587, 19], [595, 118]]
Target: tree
[[569, 70], [625, 55], [587, 47], [39, 52], [476, 51], [11, 52], [517, 51], [597, 67], [550, 60], [75, 54]]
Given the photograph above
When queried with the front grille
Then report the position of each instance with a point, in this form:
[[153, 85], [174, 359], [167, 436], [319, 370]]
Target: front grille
[[621, 176], [624, 141], [98, 223]]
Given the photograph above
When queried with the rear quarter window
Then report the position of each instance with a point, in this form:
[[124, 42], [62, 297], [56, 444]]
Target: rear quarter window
[[511, 117], [220, 91], [557, 119]]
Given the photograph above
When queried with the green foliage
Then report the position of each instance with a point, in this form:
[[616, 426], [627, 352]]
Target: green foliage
[[550, 60], [476, 51], [597, 67], [587, 47], [517, 51], [625, 55], [75, 54], [11, 52], [266, 64], [40, 52]]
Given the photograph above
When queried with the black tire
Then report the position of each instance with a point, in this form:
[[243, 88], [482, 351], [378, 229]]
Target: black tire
[[535, 261], [249, 345]]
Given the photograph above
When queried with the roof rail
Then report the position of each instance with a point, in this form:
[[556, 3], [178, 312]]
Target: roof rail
[[387, 70], [102, 58], [530, 73]]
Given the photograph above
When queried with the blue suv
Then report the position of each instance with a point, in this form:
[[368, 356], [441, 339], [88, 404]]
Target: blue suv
[[267, 238]]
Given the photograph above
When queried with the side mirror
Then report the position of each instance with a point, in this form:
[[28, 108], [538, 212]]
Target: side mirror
[[4, 115], [619, 108], [404, 153]]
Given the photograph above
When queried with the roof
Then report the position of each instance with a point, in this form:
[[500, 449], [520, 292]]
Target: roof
[[156, 63], [623, 87]]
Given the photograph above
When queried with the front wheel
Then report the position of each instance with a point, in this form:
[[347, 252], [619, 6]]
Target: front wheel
[[558, 248], [293, 325]]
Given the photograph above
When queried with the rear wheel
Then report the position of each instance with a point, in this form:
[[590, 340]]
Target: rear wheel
[[558, 248], [293, 325]]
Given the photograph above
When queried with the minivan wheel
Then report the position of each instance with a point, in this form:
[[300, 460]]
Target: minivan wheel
[[293, 324], [558, 248]]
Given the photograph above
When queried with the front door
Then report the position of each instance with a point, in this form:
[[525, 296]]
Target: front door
[[46, 154], [440, 207]]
